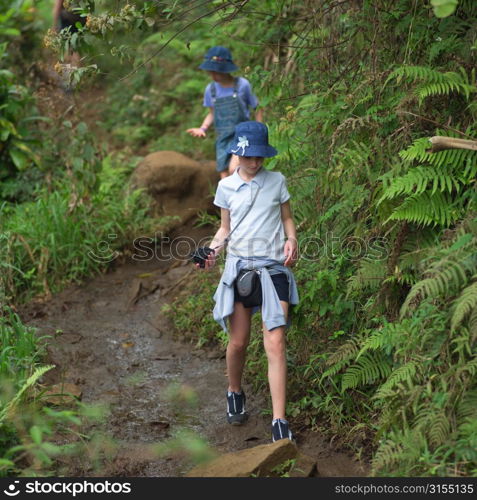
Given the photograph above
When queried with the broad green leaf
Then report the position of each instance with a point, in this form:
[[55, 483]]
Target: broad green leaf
[[444, 8], [463, 240], [10, 32], [6, 129], [20, 159], [36, 434]]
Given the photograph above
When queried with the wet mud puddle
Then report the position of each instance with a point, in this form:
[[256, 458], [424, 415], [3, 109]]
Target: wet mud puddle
[[112, 342]]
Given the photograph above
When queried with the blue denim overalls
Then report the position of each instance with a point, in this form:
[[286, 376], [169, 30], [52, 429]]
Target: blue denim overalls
[[228, 111]]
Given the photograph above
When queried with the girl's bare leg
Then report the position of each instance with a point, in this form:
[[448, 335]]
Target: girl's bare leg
[[274, 343], [237, 347]]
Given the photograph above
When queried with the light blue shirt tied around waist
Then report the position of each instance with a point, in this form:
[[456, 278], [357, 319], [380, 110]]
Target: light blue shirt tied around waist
[[272, 312]]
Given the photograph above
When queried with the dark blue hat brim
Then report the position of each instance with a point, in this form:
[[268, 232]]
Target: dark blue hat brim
[[252, 150], [219, 67]]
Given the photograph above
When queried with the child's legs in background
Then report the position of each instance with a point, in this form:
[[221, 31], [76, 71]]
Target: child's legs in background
[[274, 343], [239, 337]]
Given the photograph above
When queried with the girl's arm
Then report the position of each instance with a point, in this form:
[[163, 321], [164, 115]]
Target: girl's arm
[[56, 13], [291, 245], [259, 115], [219, 238], [206, 123]]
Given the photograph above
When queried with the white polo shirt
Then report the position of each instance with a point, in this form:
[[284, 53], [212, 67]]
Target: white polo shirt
[[261, 232]]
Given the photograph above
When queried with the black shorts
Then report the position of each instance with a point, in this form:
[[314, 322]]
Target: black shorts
[[280, 281]]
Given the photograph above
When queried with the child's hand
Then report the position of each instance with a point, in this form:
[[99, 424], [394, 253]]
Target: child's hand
[[291, 252], [209, 261], [196, 132]]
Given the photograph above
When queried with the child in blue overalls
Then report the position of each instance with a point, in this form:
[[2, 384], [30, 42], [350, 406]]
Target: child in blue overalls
[[228, 99]]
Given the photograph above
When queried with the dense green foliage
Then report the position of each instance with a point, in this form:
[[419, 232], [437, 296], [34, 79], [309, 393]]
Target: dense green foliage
[[382, 351], [383, 347], [62, 197]]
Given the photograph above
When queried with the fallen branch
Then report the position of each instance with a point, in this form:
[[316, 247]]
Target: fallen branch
[[440, 143]]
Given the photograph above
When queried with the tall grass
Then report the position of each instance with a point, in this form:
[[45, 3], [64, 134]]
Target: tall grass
[[56, 239], [20, 348]]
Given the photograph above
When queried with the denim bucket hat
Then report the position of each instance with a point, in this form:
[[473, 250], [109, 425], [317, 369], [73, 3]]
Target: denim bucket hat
[[218, 59], [251, 139]]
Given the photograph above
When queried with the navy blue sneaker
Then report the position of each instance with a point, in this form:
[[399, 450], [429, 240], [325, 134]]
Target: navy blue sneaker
[[236, 414], [281, 430]]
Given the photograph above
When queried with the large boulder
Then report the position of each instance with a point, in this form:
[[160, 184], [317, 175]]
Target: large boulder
[[264, 460], [178, 185]]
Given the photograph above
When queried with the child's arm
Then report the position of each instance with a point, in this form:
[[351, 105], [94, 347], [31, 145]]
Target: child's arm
[[219, 238], [206, 123], [56, 13], [291, 245], [259, 115]]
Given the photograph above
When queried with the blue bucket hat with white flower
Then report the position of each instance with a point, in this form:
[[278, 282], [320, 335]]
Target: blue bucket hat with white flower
[[251, 139], [218, 59]]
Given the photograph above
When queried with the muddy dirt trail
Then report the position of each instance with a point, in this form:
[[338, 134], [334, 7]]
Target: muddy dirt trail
[[112, 341]]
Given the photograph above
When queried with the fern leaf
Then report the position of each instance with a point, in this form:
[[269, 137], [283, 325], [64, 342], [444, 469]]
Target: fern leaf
[[404, 373], [426, 209], [467, 406], [464, 305], [369, 368], [32, 380], [438, 428], [433, 82], [369, 275], [339, 359], [447, 276]]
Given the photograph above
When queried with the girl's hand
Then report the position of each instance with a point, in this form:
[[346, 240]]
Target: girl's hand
[[291, 252], [196, 132], [209, 262]]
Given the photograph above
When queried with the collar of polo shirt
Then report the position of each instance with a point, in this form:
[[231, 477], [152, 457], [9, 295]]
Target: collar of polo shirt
[[238, 182]]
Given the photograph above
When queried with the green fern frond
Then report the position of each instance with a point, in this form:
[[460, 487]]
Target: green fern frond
[[437, 286], [455, 160], [32, 380], [385, 338], [427, 210], [438, 428], [340, 358], [447, 276], [470, 368], [444, 88], [417, 151], [369, 368], [403, 374], [420, 179], [467, 406], [473, 323], [344, 353], [387, 455], [433, 423], [433, 82], [369, 275], [452, 159], [414, 73], [449, 45], [464, 305]]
